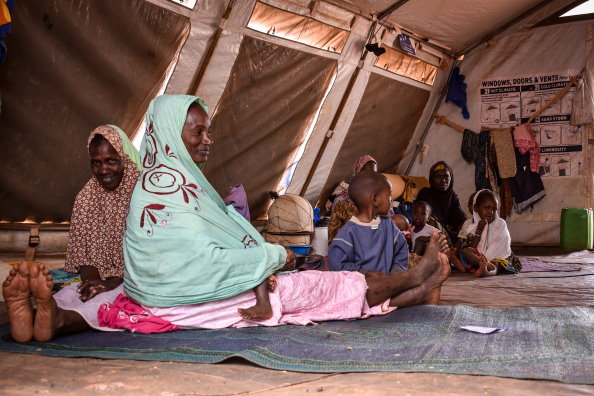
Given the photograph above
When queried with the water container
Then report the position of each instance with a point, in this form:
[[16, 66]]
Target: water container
[[576, 229]]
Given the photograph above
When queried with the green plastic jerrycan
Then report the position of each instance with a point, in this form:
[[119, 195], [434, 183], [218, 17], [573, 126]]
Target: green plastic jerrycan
[[576, 229]]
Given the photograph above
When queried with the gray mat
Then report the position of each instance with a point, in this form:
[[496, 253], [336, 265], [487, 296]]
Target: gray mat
[[540, 343]]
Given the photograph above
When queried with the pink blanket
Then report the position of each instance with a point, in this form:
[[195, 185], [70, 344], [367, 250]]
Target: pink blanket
[[300, 298]]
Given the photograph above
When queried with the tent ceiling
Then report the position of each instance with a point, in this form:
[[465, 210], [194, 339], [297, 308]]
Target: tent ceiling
[[453, 23]]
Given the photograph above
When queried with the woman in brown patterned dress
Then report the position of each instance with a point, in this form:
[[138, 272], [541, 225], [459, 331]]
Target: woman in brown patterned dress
[[94, 250]]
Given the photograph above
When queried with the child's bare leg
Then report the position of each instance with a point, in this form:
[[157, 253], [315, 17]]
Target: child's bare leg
[[17, 295], [455, 261], [472, 259], [50, 320], [262, 310]]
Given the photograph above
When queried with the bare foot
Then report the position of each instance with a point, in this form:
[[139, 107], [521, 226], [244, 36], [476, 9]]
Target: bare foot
[[17, 295], [428, 263], [257, 312], [45, 317], [436, 280], [262, 310], [483, 267]]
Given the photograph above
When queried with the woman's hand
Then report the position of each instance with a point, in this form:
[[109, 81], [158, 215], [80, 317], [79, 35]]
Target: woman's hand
[[290, 261], [90, 288]]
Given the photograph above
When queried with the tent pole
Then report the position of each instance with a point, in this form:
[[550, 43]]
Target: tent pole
[[337, 115], [430, 120], [391, 9], [504, 27], [211, 48], [345, 96], [330, 132]]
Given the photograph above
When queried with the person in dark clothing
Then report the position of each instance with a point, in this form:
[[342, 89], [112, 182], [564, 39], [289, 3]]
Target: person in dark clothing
[[447, 214]]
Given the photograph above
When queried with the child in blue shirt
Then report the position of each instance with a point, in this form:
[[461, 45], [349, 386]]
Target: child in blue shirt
[[369, 242]]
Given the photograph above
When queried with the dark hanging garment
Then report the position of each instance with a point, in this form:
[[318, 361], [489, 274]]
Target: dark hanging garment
[[470, 142], [475, 149], [526, 186]]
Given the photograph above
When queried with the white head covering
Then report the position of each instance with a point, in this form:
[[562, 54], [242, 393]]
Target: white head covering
[[495, 240]]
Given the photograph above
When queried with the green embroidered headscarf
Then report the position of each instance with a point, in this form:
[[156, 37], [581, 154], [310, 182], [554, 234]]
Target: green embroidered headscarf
[[183, 245]]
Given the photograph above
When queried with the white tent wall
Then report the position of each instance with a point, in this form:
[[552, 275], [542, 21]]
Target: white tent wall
[[550, 49], [204, 22]]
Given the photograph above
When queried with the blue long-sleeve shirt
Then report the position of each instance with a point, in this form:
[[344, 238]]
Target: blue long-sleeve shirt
[[376, 246]]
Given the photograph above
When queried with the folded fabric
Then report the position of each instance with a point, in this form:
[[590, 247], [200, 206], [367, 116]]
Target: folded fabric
[[125, 313]]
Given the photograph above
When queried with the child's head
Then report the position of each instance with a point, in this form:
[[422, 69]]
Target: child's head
[[420, 213], [401, 222], [371, 190], [471, 202], [485, 205]]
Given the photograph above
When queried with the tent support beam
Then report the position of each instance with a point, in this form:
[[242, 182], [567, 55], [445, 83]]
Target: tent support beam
[[391, 9], [504, 27], [337, 115], [328, 136], [210, 52], [430, 120], [345, 96]]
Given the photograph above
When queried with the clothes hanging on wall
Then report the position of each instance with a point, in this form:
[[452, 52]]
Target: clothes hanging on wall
[[504, 149], [457, 92], [525, 141], [475, 147], [506, 199], [526, 186]]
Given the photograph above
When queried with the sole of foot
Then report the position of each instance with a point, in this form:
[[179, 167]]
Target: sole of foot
[[17, 296], [41, 288]]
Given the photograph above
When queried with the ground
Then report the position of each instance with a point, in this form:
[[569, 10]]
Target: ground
[[31, 374]]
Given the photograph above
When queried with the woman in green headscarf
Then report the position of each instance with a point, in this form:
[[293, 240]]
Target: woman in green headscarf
[[191, 261], [183, 245]]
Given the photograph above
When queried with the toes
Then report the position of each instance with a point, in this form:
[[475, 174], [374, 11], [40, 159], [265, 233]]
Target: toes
[[34, 270], [23, 268]]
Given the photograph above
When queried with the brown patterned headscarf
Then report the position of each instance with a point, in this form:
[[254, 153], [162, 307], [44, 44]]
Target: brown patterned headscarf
[[99, 216]]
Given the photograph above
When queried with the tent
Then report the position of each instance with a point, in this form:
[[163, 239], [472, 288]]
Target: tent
[[294, 95], [297, 89]]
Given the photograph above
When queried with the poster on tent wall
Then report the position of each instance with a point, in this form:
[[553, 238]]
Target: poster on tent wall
[[510, 101]]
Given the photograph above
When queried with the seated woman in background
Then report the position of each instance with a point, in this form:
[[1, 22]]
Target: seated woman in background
[[192, 261], [343, 207], [94, 248], [487, 250], [447, 214]]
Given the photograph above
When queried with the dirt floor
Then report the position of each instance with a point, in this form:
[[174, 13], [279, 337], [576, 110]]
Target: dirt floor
[[30, 374]]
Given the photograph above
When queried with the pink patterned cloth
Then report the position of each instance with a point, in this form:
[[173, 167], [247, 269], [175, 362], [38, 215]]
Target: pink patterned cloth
[[525, 140], [300, 298], [125, 313]]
